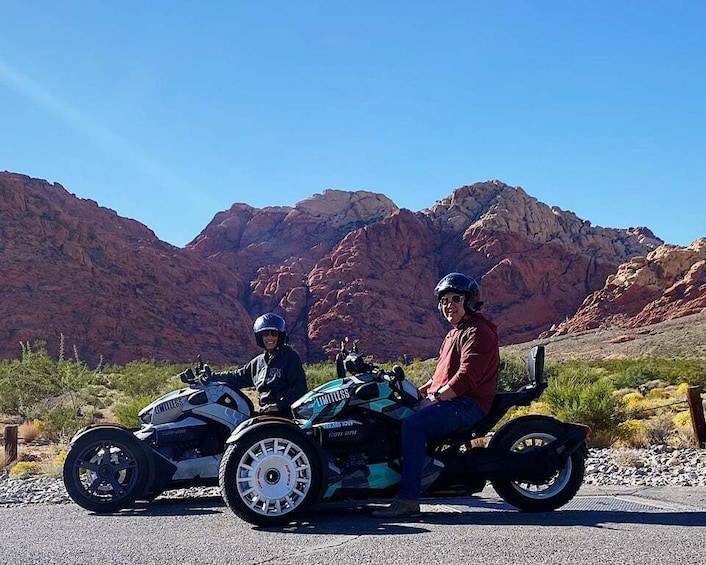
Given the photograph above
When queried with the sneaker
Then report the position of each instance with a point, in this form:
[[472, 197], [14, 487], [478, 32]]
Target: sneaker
[[400, 508]]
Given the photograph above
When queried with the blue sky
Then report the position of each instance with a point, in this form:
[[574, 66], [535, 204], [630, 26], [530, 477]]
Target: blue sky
[[170, 111]]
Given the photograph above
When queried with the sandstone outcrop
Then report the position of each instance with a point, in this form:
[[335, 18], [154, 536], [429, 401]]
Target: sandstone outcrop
[[337, 265], [108, 284], [668, 283]]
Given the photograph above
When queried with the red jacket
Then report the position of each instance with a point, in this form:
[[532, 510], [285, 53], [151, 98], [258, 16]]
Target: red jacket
[[469, 359]]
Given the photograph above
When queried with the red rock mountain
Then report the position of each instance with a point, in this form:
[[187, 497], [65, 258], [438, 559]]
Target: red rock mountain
[[670, 282], [339, 264], [71, 267]]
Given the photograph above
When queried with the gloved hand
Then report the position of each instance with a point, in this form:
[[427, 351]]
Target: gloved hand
[[205, 375], [269, 409], [187, 376]]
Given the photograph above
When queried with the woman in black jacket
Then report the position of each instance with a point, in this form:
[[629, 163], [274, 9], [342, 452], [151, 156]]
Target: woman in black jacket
[[277, 373]]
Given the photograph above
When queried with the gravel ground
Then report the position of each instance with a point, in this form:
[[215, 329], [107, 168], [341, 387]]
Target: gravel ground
[[658, 466]]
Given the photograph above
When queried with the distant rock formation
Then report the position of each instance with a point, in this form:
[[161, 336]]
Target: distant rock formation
[[108, 284], [337, 265], [668, 283]]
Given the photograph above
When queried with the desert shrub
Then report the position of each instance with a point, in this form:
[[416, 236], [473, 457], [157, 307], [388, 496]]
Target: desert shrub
[[635, 373], [27, 385], [682, 389], [670, 429], [143, 378], [634, 401], [319, 373], [126, 411], [27, 381], [682, 420], [54, 467], [660, 428], [25, 469], [626, 458], [30, 430], [633, 433], [658, 393], [645, 407], [60, 457], [513, 374], [63, 420], [578, 396], [536, 408]]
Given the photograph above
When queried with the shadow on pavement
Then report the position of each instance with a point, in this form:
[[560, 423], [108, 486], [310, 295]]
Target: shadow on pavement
[[355, 518]]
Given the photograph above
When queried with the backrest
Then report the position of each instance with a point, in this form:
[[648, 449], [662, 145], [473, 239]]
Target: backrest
[[535, 364]]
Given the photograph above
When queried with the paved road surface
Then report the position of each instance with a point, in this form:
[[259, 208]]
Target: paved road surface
[[601, 525]]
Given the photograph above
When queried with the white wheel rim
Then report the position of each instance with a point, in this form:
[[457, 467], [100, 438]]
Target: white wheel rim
[[556, 482], [274, 476]]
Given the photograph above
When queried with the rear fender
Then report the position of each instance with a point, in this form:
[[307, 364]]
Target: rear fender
[[88, 429], [573, 437]]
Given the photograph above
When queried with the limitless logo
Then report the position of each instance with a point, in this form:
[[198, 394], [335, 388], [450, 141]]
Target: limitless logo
[[331, 397], [168, 405]]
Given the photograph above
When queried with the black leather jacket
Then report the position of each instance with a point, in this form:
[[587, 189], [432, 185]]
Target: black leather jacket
[[278, 378]]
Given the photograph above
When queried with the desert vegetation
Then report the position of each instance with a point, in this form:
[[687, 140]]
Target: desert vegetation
[[627, 402]]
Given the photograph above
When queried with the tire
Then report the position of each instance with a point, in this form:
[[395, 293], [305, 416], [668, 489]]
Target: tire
[[105, 470], [528, 433], [270, 475]]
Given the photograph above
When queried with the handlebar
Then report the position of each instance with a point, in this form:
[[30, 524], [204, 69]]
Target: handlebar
[[202, 374]]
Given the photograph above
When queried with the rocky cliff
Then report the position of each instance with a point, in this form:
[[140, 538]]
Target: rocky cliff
[[339, 264], [667, 283], [107, 283]]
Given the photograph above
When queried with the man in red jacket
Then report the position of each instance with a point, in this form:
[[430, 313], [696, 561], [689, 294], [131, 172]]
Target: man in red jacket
[[459, 393]]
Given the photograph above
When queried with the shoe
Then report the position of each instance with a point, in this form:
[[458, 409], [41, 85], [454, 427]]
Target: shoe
[[400, 508]]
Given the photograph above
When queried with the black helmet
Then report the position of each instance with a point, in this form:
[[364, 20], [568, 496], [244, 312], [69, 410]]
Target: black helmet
[[463, 284], [270, 321]]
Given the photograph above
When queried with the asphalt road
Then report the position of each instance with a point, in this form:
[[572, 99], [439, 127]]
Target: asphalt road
[[601, 525]]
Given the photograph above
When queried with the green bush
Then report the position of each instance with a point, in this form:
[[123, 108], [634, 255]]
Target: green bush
[[66, 394], [126, 411], [636, 373], [28, 381], [62, 421], [143, 378], [319, 373], [584, 395], [513, 374]]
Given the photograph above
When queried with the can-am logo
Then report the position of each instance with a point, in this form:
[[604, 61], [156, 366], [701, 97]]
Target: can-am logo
[[331, 397], [168, 405]]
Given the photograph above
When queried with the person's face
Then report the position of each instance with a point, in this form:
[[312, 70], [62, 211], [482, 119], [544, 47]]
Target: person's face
[[269, 338], [452, 307]]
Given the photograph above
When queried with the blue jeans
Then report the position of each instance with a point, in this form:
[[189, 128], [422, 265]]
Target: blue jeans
[[428, 424]]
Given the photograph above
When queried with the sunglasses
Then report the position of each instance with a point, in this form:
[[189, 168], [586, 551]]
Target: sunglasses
[[272, 333], [455, 298]]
